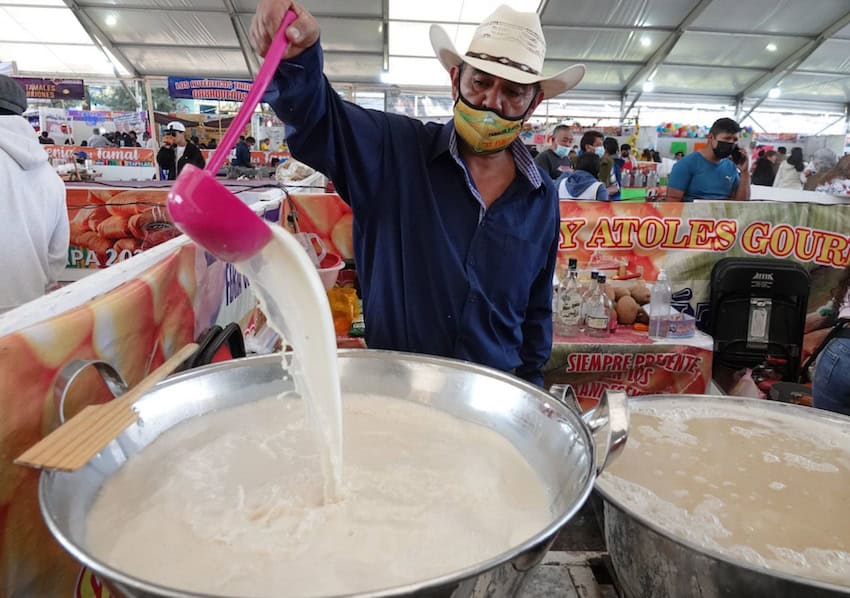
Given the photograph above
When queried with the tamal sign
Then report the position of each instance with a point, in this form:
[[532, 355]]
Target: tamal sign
[[52, 89]]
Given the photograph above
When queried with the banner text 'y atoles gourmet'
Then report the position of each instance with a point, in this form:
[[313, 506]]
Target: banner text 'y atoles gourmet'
[[756, 238]]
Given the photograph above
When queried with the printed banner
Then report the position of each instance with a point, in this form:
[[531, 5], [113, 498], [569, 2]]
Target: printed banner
[[55, 122], [111, 225], [326, 215], [52, 89], [208, 89], [629, 361], [634, 241], [135, 327], [111, 121], [103, 156]]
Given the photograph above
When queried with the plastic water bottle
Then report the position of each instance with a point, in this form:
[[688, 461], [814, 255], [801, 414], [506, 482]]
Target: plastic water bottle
[[652, 179], [659, 307]]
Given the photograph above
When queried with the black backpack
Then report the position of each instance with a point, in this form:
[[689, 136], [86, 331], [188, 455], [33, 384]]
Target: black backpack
[[758, 313]]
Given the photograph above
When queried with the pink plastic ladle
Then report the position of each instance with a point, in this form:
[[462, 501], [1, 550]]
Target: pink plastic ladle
[[205, 209]]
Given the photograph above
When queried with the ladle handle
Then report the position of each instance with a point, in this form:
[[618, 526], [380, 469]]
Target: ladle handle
[[258, 89], [612, 412]]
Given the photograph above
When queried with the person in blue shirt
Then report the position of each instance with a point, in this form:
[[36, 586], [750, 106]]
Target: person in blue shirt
[[243, 153], [717, 171], [455, 228]]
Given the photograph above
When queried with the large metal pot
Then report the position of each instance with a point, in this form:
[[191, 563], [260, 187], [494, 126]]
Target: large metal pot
[[652, 562], [554, 440]]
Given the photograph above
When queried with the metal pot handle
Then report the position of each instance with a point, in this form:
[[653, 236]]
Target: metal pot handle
[[68, 375], [612, 412], [566, 396]]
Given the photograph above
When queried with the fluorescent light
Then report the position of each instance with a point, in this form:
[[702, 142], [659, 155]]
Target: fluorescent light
[[774, 93], [645, 41], [111, 20], [771, 47], [648, 86]]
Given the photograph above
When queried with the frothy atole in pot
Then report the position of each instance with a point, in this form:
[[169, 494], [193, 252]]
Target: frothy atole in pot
[[232, 502], [771, 489]]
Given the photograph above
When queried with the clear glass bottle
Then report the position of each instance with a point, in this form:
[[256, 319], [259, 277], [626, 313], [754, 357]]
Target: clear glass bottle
[[556, 285], [599, 308], [568, 316], [587, 291]]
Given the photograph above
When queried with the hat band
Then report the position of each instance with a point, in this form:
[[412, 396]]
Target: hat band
[[503, 60]]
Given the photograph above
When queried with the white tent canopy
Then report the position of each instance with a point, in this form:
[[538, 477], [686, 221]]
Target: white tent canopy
[[731, 52]]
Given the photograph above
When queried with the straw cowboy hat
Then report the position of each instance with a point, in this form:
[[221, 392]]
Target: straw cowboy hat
[[510, 45]]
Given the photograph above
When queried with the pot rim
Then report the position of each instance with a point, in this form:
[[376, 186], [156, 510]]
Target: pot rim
[[798, 410], [455, 577]]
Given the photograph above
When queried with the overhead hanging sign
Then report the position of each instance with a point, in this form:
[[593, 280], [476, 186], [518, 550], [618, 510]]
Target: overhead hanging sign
[[52, 89], [232, 90]]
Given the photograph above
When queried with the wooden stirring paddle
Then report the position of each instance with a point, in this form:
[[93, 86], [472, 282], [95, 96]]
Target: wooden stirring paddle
[[74, 443]]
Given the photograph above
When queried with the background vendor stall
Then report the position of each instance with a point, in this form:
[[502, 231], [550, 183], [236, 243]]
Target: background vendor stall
[[632, 242]]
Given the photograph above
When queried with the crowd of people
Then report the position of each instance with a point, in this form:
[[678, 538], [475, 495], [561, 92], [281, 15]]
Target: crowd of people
[[721, 169], [591, 169], [778, 169]]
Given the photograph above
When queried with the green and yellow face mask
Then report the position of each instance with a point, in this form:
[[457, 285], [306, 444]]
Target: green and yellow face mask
[[485, 131]]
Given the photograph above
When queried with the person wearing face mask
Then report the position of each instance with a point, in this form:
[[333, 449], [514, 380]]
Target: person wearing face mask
[[455, 228], [717, 171], [555, 160], [591, 142]]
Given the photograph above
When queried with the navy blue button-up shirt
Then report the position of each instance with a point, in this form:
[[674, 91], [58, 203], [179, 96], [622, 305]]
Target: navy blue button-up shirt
[[440, 273]]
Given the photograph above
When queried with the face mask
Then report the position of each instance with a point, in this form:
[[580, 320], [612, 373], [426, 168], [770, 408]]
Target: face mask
[[561, 151], [485, 131], [625, 155], [600, 151], [724, 149]]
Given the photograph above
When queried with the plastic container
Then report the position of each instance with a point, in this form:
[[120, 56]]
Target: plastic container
[[345, 308], [681, 325], [329, 270]]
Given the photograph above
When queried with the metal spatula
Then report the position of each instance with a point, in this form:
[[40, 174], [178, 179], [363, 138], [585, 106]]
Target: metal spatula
[[73, 444]]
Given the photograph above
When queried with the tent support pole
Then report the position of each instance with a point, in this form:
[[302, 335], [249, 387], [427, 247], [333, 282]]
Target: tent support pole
[[152, 123]]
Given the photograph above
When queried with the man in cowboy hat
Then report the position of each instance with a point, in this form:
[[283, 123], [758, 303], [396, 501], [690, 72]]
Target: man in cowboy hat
[[455, 228]]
